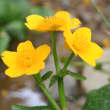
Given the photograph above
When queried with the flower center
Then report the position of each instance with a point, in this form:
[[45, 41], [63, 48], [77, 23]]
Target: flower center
[[26, 60], [52, 23]]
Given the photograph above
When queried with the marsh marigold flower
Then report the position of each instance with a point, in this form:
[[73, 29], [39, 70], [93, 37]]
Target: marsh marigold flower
[[26, 61], [59, 22], [80, 43]]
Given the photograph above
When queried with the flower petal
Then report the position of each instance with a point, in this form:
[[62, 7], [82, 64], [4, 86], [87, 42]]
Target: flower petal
[[79, 36], [9, 58], [68, 36], [33, 21], [66, 19], [27, 45], [91, 53], [13, 72], [42, 52], [35, 68], [69, 41], [75, 23], [70, 23], [63, 14], [82, 34]]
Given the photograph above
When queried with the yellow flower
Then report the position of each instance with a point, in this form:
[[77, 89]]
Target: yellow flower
[[106, 43], [59, 22], [26, 61], [86, 2], [80, 43]]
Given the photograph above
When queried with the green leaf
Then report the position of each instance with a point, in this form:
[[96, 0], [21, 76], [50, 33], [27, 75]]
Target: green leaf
[[16, 29], [98, 99], [19, 107], [41, 10], [75, 75], [11, 10], [53, 80], [37, 77], [46, 75], [4, 41]]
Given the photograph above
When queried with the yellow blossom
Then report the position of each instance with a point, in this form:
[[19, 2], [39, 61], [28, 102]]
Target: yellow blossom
[[26, 61], [59, 22], [80, 43], [106, 43], [4, 93], [86, 2]]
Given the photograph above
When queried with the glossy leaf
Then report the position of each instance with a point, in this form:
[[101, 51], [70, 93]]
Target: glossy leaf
[[18, 107], [4, 41], [75, 75], [98, 99], [41, 10], [53, 80], [16, 29], [46, 75], [11, 10]]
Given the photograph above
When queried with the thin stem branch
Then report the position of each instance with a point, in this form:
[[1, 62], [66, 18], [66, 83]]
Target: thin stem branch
[[68, 61], [107, 23], [46, 92], [61, 87]]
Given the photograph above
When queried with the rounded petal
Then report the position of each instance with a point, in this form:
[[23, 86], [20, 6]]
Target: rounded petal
[[70, 23], [27, 45], [42, 52], [35, 69], [75, 23], [68, 36], [63, 14], [82, 34], [33, 21], [91, 54], [13, 72], [9, 58], [66, 18], [69, 41]]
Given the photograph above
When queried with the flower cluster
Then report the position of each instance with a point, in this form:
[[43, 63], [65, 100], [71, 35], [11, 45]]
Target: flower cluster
[[29, 60], [79, 41]]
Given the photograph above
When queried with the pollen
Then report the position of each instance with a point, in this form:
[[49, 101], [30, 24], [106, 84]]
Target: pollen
[[25, 61], [51, 23]]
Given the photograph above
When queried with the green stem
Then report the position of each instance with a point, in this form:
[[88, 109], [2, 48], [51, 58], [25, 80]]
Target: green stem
[[60, 80], [46, 92], [62, 94], [53, 38]]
